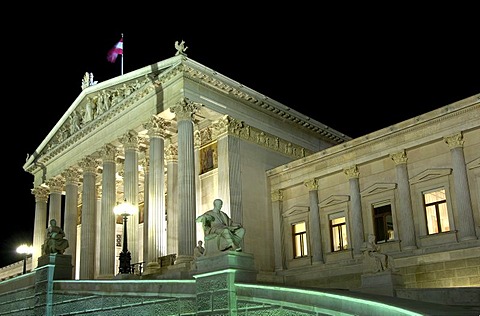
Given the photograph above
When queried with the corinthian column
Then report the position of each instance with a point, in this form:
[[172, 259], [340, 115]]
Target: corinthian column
[[39, 228], [464, 218], [171, 157], [157, 239], [405, 219], [130, 182], [184, 111], [108, 201], [145, 163], [87, 243], [278, 238], [229, 182], [55, 203], [356, 220], [72, 177], [315, 232]]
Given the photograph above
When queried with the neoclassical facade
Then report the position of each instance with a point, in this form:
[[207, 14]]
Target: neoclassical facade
[[172, 137], [414, 185], [169, 139]]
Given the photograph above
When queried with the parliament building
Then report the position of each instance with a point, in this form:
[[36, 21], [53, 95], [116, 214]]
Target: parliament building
[[172, 137]]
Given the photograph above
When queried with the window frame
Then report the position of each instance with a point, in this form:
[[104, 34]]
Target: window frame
[[344, 230], [438, 212]]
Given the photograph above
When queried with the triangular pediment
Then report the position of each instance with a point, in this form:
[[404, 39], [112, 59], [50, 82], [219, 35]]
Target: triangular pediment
[[296, 210], [334, 199], [100, 103], [431, 174], [378, 188]]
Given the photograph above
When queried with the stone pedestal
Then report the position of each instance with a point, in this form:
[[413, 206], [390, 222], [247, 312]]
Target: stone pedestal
[[216, 277], [62, 265], [381, 283], [126, 276], [152, 268], [242, 263]]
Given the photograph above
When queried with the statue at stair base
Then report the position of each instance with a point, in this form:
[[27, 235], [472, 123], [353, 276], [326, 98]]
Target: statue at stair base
[[223, 250], [221, 233]]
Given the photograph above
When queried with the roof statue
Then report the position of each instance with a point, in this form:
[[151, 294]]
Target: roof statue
[[88, 80], [180, 47]]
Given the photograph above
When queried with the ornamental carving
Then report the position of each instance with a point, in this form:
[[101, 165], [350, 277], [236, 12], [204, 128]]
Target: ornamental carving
[[130, 140], [89, 165], [352, 172], [454, 141], [108, 153], [56, 185], [399, 158], [41, 194], [277, 195], [171, 153], [312, 184], [184, 109], [72, 176], [157, 127]]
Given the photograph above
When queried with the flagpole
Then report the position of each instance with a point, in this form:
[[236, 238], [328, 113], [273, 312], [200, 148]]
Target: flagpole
[[121, 60]]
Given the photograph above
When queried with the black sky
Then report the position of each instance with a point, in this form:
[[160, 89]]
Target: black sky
[[354, 72]]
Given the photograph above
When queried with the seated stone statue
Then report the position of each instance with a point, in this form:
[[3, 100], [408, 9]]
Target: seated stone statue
[[221, 230], [374, 260], [55, 242]]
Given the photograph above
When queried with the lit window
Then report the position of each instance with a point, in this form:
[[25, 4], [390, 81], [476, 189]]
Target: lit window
[[338, 231], [299, 240], [436, 211]]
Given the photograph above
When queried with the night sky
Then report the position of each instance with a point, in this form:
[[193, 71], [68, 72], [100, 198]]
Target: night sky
[[356, 73]]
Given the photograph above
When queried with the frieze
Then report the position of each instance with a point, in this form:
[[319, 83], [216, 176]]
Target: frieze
[[230, 126]]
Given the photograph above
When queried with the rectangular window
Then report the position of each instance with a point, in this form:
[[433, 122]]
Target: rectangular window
[[299, 232], [436, 211], [383, 223], [338, 232]]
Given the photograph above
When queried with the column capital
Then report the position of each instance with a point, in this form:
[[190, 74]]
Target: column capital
[[171, 153], [41, 194], [56, 184], [89, 165], [108, 153], [399, 157], [311, 184], [72, 176], [454, 141], [184, 109], [227, 125], [130, 140], [352, 172], [277, 195], [157, 127]]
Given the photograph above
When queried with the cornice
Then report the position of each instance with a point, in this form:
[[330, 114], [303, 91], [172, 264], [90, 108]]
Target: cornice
[[264, 103], [399, 137]]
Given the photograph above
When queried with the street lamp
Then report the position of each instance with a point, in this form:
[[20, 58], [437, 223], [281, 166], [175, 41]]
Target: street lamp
[[125, 209], [25, 250]]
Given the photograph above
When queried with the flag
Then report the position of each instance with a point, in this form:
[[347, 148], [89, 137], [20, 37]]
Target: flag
[[115, 51]]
